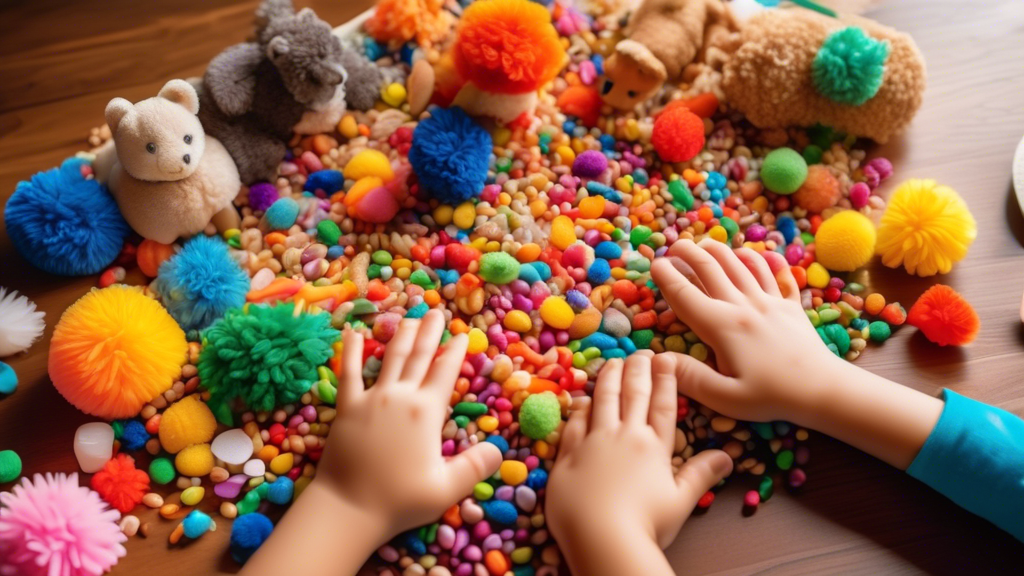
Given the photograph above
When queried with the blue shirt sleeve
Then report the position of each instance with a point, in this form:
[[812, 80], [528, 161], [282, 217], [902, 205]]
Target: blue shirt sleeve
[[975, 457]]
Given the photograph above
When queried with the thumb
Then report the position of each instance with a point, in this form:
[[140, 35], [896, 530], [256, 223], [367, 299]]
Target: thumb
[[472, 466], [697, 380], [700, 474]]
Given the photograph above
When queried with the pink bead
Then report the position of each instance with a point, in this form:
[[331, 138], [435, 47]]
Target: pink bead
[[503, 404], [532, 462], [751, 499], [311, 161], [859, 194], [588, 72], [447, 448], [308, 413]]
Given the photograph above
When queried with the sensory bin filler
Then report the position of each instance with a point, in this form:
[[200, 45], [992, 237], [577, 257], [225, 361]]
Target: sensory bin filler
[[515, 164]]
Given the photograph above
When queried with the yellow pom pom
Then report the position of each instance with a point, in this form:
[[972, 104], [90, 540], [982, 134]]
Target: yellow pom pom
[[114, 350], [926, 228], [194, 461], [845, 241], [188, 421], [369, 163]]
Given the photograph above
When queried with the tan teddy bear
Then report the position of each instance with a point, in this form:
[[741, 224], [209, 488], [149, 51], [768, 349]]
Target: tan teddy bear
[[168, 177], [662, 38]]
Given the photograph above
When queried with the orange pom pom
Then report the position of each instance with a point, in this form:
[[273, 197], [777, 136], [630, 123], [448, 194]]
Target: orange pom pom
[[819, 191], [583, 102], [945, 317], [425, 21], [507, 46], [120, 484], [678, 135]]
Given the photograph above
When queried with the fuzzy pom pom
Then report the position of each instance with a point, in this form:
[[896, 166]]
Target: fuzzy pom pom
[[425, 21], [8, 379], [450, 153], [265, 355], [65, 224], [10, 467], [120, 483], [819, 192], [20, 323], [926, 228], [195, 461], [114, 350], [51, 525], [188, 421], [196, 524], [583, 102], [590, 164], [248, 533], [133, 435], [845, 241], [678, 135], [945, 317], [262, 195], [507, 46], [784, 171], [200, 283], [540, 415], [849, 66]]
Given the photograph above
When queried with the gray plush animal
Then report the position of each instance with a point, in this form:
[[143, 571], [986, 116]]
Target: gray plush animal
[[254, 93]]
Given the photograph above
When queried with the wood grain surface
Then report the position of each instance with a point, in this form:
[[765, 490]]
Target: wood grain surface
[[61, 61]]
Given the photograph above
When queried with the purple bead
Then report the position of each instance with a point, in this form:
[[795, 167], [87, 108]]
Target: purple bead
[[262, 195], [634, 159], [756, 233], [562, 337], [308, 413], [794, 254], [797, 477], [518, 286], [507, 534], [882, 166], [445, 536], [577, 300], [464, 570], [836, 283], [523, 303], [504, 493], [482, 530], [461, 540], [547, 340], [472, 553], [508, 547], [522, 535], [590, 164], [491, 542], [592, 237]]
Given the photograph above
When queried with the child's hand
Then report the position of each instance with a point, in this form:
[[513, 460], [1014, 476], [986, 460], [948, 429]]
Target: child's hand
[[612, 491], [384, 450], [770, 358]]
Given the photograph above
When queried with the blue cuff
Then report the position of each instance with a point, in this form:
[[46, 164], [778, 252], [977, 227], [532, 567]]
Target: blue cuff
[[975, 457]]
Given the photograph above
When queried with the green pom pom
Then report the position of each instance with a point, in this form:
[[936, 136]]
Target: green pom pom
[[849, 66], [498, 267], [539, 415], [879, 331], [265, 355], [784, 171], [10, 466], [161, 471]]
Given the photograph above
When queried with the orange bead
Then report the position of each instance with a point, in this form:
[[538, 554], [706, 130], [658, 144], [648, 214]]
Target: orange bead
[[496, 562], [432, 298], [153, 424], [458, 326], [151, 254], [874, 304], [528, 252], [800, 275]]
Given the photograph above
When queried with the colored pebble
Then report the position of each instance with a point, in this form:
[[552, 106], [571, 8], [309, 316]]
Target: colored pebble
[[8, 379], [232, 446], [94, 446]]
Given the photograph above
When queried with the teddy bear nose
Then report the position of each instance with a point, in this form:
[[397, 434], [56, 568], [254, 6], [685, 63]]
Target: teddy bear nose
[[187, 158]]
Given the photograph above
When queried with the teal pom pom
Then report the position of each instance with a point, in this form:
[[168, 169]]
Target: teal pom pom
[[849, 66], [267, 356]]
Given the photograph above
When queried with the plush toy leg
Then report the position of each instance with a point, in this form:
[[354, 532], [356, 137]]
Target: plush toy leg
[[226, 219], [106, 157]]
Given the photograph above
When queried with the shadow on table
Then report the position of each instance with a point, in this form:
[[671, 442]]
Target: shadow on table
[[903, 515], [1014, 218]]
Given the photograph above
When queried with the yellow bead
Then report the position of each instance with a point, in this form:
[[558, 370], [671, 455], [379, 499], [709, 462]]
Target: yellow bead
[[518, 321], [465, 216], [592, 207], [369, 163], [513, 472], [556, 313], [501, 136], [399, 263], [563, 232], [817, 276], [393, 94], [719, 234], [487, 423], [699, 351], [566, 155], [282, 463], [477, 341], [192, 496], [348, 127], [443, 214]]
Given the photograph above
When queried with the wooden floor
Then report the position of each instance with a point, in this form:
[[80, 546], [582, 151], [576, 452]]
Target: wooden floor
[[61, 61]]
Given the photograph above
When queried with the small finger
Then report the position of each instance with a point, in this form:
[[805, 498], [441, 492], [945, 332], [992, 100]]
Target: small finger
[[738, 273], [759, 268], [605, 413], [428, 339], [697, 380], [636, 388], [351, 383], [693, 307], [397, 352], [576, 428], [708, 270], [664, 400], [783, 275], [445, 369]]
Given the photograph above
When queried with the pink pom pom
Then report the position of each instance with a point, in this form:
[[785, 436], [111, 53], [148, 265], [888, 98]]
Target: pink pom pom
[[52, 526]]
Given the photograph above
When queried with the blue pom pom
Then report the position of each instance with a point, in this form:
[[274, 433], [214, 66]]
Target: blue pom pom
[[330, 181], [282, 214], [248, 533], [537, 479], [500, 511], [202, 282], [63, 223], [599, 271], [849, 66], [133, 435], [450, 153], [196, 524], [498, 441], [608, 250], [281, 491]]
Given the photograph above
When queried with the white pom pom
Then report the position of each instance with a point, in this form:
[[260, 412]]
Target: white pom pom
[[20, 323]]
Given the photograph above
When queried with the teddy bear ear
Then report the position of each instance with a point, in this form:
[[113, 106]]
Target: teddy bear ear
[[277, 47], [181, 92], [116, 110]]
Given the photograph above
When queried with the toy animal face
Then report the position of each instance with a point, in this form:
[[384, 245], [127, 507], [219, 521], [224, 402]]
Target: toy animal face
[[307, 56], [631, 77], [159, 139]]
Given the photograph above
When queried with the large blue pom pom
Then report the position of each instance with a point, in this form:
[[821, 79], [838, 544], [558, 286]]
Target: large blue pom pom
[[200, 283], [63, 223], [248, 533], [849, 66], [449, 154]]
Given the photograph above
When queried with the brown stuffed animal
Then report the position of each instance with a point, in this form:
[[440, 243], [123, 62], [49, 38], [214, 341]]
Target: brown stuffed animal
[[662, 38]]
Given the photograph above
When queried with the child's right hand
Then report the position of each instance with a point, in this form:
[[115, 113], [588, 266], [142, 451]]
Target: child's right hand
[[772, 364]]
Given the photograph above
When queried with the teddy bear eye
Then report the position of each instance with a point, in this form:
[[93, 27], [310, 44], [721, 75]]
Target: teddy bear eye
[[631, 93], [188, 138], [151, 148]]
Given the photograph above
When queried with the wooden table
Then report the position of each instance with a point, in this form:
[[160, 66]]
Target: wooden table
[[60, 65]]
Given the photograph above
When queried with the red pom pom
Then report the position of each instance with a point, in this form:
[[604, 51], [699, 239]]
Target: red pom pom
[[944, 317], [678, 135], [120, 483]]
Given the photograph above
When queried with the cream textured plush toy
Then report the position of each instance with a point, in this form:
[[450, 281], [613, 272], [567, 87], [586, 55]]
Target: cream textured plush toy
[[168, 177]]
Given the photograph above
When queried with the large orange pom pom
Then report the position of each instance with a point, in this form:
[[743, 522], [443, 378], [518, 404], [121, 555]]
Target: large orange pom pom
[[425, 21], [120, 484], [945, 317], [507, 46]]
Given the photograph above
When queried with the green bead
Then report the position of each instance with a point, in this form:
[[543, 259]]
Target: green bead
[[813, 316], [618, 234], [763, 429], [235, 242], [249, 503], [579, 360], [540, 415], [431, 534], [879, 331], [642, 339], [328, 393], [328, 233], [10, 466], [361, 306], [812, 154], [373, 271], [821, 136], [639, 235], [807, 237], [730, 225], [381, 257], [462, 421], [784, 460], [830, 315], [118, 427], [682, 197], [161, 471], [592, 352], [483, 491], [503, 164], [473, 409], [767, 488]]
